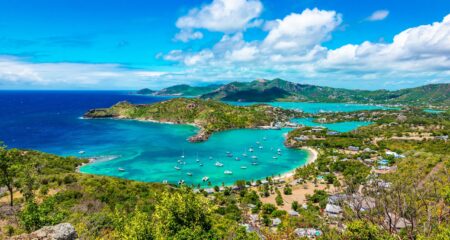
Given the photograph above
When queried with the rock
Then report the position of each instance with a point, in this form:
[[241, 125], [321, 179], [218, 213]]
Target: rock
[[62, 231]]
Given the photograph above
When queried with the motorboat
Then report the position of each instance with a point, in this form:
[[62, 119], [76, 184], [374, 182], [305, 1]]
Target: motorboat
[[218, 164], [228, 172]]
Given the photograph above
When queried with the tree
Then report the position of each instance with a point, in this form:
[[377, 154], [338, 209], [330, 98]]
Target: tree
[[294, 205], [182, 215], [9, 160]]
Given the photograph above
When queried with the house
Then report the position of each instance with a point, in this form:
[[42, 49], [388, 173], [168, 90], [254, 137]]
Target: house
[[317, 129], [353, 148], [394, 221], [332, 133], [276, 222], [337, 199], [293, 213], [321, 120], [333, 210], [396, 155], [307, 232], [264, 181]]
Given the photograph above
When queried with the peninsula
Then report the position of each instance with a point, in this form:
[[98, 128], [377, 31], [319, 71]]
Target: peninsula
[[208, 115]]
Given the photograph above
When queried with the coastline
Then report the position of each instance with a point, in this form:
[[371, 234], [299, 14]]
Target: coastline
[[312, 157]]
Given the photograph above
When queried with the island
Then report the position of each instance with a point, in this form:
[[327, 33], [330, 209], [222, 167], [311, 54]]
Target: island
[[208, 115]]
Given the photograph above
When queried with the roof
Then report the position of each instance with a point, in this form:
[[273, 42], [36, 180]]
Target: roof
[[276, 221], [331, 208], [293, 213]]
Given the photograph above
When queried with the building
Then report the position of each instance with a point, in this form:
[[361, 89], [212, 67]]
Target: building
[[333, 210], [293, 213], [353, 148], [276, 222], [307, 232]]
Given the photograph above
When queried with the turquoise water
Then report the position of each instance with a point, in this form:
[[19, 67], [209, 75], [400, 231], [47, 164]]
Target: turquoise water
[[433, 111], [50, 121], [318, 107], [338, 127], [149, 152]]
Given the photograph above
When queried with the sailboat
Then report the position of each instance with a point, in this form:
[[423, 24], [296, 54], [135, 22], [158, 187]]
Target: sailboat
[[218, 164]]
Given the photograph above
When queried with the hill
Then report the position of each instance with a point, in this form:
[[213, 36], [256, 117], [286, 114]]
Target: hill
[[281, 90], [180, 90], [210, 116]]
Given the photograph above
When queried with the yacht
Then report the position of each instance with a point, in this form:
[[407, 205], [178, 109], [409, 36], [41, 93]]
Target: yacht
[[121, 169], [260, 147], [228, 172], [177, 168], [189, 174], [237, 159], [205, 179], [274, 157], [250, 149], [254, 157], [218, 164]]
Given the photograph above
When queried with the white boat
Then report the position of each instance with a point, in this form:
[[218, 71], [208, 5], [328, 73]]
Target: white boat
[[189, 174], [218, 164], [254, 157], [182, 155], [205, 179], [181, 182], [274, 157], [279, 150], [254, 163], [177, 168], [258, 143], [243, 167], [121, 169], [250, 149], [244, 154], [201, 164], [260, 147], [264, 138], [228, 172], [237, 158], [81, 152]]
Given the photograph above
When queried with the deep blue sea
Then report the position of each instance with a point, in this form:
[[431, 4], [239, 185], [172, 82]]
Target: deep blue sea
[[50, 121]]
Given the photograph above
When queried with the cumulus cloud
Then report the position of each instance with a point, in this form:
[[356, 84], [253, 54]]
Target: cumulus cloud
[[226, 16], [301, 32], [293, 48], [378, 15], [185, 35]]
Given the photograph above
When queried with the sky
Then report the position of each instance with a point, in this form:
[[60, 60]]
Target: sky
[[132, 44]]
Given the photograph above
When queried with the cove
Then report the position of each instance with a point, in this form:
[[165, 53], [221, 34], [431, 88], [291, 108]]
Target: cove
[[338, 127]]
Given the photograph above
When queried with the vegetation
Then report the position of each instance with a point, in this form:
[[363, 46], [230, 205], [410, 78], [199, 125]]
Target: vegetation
[[180, 90], [210, 116]]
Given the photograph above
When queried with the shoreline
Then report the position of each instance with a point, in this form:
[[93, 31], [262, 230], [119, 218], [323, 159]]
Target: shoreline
[[312, 157]]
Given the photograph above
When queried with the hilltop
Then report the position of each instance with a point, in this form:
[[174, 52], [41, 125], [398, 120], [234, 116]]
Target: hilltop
[[180, 90], [210, 116], [263, 90]]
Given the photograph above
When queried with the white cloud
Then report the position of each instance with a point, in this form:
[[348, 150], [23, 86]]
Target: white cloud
[[185, 35], [301, 32], [18, 72], [378, 15], [226, 16]]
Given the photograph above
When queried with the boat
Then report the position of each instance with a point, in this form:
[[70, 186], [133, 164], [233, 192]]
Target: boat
[[177, 168], [260, 147], [258, 143], [201, 164], [279, 150], [121, 169], [254, 163], [250, 149], [218, 164], [189, 174], [243, 167], [264, 138], [237, 158], [244, 154], [197, 160], [210, 157], [182, 155], [81, 152], [229, 155], [228, 172], [205, 179], [254, 157], [274, 157], [181, 182]]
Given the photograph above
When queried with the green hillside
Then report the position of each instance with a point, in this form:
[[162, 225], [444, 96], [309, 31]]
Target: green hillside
[[180, 90]]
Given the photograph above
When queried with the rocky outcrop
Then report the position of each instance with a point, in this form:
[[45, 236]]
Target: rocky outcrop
[[200, 137], [62, 231]]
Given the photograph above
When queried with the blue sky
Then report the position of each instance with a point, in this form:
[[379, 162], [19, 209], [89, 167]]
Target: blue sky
[[118, 44]]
